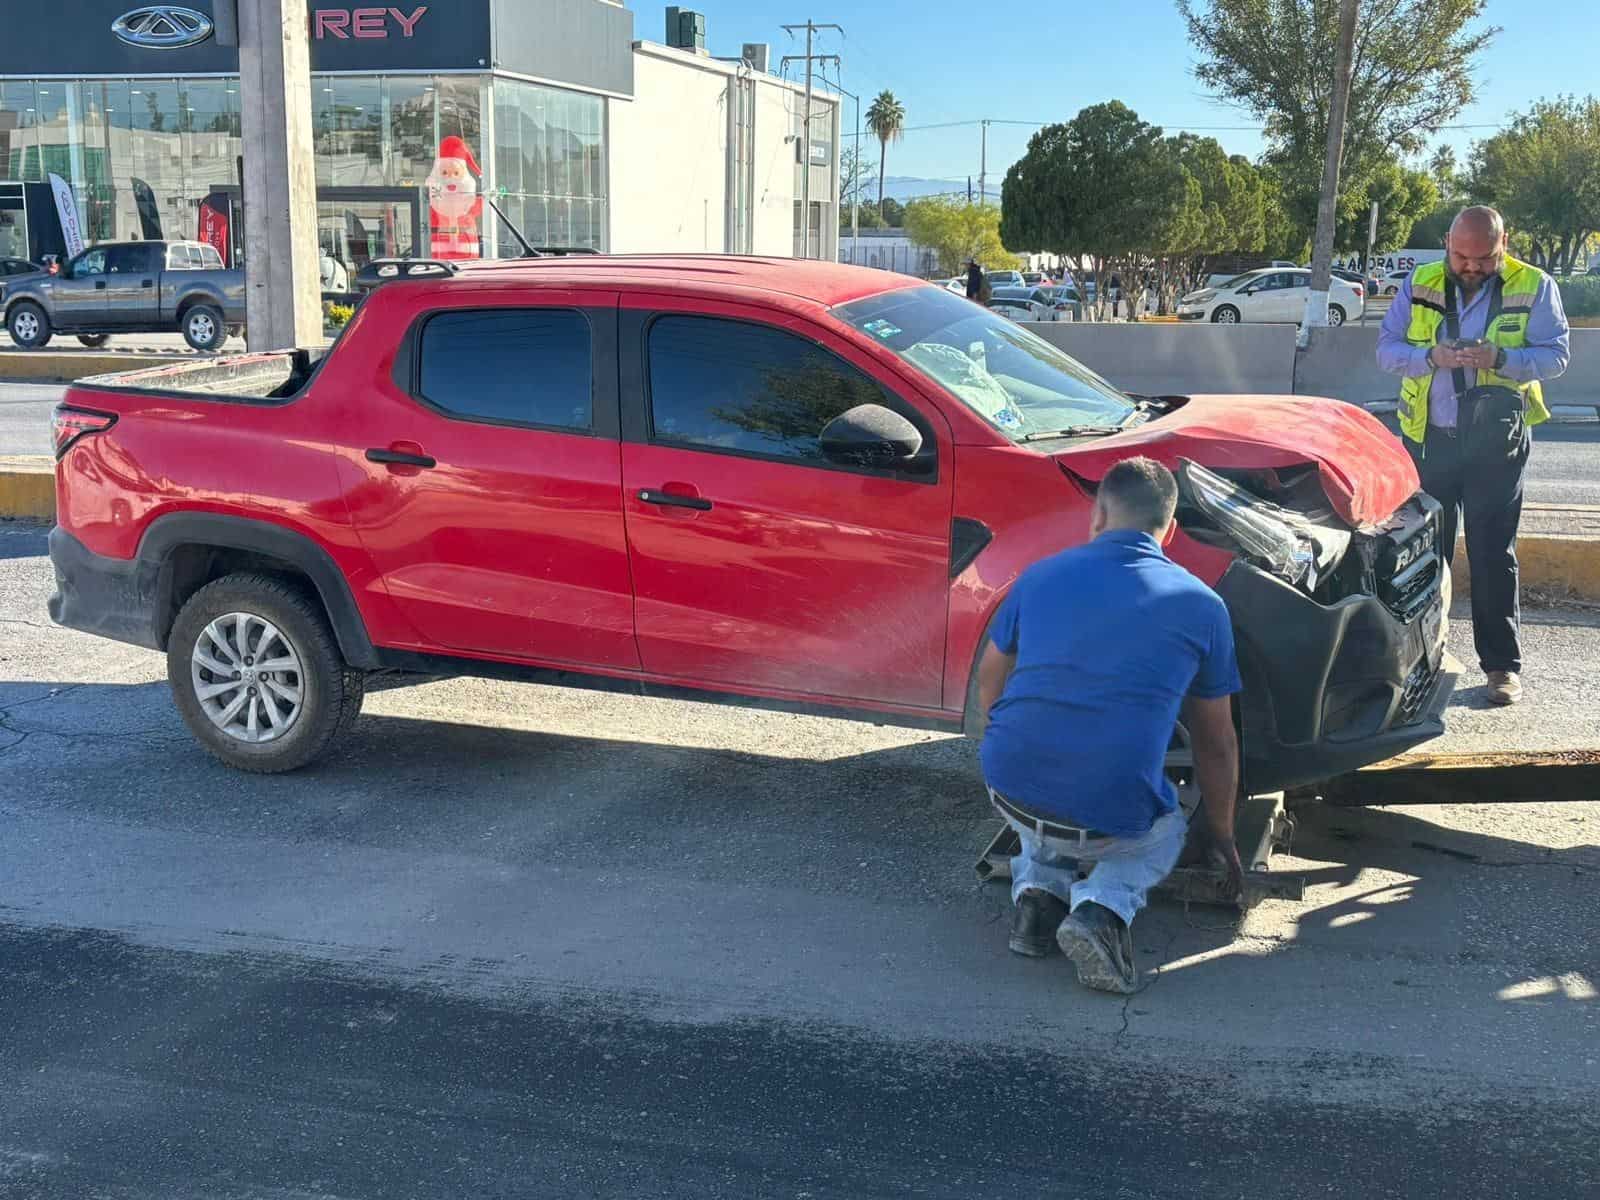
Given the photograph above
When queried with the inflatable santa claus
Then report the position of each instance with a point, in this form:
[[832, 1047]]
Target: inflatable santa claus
[[453, 201]]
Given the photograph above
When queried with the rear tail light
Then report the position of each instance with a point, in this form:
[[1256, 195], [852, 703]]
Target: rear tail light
[[67, 425]]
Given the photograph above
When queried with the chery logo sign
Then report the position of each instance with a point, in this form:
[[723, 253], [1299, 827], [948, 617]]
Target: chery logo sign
[[364, 22], [162, 27]]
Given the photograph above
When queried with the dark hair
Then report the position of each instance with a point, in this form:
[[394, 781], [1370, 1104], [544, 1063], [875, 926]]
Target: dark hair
[[1139, 493]]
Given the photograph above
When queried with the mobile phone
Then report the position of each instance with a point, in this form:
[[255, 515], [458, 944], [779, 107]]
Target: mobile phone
[[1467, 343]]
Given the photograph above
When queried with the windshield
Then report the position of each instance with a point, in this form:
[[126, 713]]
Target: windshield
[[1017, 382], [1238, 280]]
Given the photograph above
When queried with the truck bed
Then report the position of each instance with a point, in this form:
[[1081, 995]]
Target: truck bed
[[277, 375]]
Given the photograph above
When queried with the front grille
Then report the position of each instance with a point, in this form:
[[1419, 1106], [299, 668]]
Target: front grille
[[1409, 569], [1418, 684]]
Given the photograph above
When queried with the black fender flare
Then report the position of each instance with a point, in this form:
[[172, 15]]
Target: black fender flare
[[220, 531], [972, 722]]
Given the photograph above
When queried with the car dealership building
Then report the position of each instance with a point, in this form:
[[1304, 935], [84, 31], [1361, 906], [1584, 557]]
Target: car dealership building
[[581, 134]]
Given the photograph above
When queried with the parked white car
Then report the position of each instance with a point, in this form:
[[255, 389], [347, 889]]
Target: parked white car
[[1269, 295], [1000, 279], [1393, 280]]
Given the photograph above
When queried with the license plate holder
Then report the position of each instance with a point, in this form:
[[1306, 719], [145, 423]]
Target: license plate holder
[[1432, 621]]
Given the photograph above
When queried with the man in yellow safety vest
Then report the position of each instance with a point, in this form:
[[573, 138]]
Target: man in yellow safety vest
[[1471, 337]]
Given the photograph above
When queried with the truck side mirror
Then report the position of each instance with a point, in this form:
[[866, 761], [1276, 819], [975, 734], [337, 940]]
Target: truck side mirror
[[870, 435]]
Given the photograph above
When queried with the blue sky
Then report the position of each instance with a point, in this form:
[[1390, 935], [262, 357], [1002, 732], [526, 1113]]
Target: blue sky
[[955, 60]]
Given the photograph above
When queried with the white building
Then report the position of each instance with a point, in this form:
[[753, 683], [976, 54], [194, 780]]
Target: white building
[[581, 134], [706, 157]]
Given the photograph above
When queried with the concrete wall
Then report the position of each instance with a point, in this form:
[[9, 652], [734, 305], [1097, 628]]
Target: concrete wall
[[1160, 359], [669, 157], [1342, 363]]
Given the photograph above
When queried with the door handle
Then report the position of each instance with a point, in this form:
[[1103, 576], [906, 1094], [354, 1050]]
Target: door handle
[[399, 458], [147, 283], [652, 496], [100, 285]]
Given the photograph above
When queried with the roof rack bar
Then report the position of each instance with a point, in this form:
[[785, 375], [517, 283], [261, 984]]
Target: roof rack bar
[[388, 270]]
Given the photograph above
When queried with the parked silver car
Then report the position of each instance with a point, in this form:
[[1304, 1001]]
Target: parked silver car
[[130, 287], [1022, 303]]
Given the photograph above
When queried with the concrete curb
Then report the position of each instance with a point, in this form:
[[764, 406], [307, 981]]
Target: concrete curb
[[42, 366], [1562, 564], [27, 488], [1555, 565]]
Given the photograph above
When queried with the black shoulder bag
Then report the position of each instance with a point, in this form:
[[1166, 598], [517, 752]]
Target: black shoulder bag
[[1489, 420]]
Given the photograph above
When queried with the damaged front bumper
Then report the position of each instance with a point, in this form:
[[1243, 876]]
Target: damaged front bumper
[[1332, 687]]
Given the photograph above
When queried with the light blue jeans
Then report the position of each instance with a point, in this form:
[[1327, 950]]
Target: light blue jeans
[[1124, 871]]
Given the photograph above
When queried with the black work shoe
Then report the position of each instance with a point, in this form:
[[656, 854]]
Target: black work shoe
[[1034, 922], [1100, 945]]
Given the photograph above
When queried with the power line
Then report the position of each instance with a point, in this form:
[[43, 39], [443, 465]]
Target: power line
[[1163, 125]]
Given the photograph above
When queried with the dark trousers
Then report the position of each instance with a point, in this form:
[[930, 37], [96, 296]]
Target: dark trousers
[[1488, 495]]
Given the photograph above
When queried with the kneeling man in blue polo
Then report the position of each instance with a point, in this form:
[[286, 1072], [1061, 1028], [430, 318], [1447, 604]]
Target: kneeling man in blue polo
[[1092, 656]]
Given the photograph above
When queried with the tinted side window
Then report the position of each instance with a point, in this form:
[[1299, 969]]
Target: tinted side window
[[728, 385], [127, 260], [522, 366]]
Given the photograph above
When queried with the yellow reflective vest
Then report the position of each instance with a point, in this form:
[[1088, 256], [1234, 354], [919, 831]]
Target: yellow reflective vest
[[1520, 287]]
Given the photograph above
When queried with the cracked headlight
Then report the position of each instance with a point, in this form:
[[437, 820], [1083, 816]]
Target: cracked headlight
[[1289, 544]]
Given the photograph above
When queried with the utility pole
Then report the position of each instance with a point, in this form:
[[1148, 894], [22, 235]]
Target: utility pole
[[283, 298], [1316, 313], [983, 164], [1366, 263], [811, 28]]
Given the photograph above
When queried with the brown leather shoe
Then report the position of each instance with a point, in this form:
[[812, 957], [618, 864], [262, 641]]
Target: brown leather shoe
[[1504, 687]]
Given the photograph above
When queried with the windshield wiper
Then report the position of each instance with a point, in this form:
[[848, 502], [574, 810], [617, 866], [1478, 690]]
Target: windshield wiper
[[1070, 431]]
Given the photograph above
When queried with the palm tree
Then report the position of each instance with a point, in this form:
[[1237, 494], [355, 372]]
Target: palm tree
[[886, 118]]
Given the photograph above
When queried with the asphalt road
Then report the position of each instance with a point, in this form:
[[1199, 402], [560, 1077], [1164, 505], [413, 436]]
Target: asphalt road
[[1565, 467], [515, 941]]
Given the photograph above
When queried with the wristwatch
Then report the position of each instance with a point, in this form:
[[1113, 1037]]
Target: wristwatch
[[1499, 357]]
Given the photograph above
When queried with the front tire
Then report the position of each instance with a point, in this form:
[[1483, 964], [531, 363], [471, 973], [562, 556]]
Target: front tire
[[203, 328], [29, 325], [257, 675], [1225, 314]]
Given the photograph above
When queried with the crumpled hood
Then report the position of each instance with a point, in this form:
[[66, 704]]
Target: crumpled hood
[[1365, 471]]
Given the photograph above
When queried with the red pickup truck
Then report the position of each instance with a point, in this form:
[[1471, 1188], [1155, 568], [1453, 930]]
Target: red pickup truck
[[770, 482]]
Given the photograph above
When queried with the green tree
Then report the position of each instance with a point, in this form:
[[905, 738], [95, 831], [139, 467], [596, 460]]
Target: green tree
[[1541, 174], [1445, 171], [886, 118], [1413, 71], [865, 218], [1428, 233], [1105, 185], [956, 231], [1404, 197], [1232, 212], [893, 212]]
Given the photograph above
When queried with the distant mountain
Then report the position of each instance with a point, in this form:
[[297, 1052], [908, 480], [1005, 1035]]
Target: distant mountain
[[911, 187]]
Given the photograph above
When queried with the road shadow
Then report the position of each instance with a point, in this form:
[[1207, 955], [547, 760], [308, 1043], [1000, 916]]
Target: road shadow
[[23, 539]]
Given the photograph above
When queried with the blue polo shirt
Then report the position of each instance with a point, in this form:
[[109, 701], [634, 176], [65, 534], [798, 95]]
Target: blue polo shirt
[[1109, 638]]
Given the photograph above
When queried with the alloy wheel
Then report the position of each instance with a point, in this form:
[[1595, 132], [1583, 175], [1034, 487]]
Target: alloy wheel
[[247, 677]]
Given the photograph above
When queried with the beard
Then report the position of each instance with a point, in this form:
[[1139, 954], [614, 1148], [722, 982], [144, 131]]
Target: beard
[[1470, 282]]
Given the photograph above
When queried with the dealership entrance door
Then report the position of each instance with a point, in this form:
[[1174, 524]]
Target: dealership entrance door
[[356, 225]]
